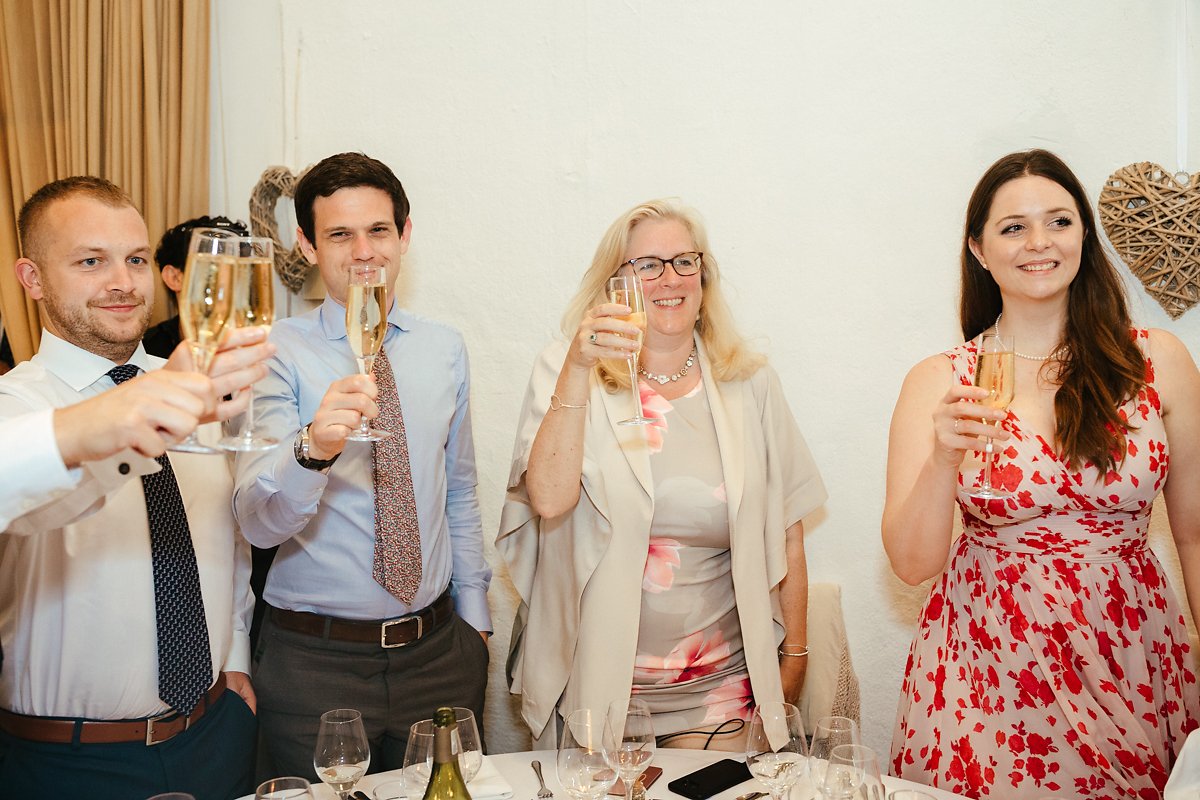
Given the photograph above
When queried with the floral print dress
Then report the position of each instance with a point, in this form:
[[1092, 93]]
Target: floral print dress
[[1051, 656], [689, 668]]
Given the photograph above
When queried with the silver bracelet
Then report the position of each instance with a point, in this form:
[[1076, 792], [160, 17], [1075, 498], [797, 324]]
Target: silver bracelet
[[556, 404], [803, 650]]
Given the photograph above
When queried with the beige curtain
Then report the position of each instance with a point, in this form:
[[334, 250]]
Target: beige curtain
[[115, 88]]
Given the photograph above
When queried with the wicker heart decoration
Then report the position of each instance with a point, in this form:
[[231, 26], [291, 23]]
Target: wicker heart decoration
[[277, 182], [1152, 218]]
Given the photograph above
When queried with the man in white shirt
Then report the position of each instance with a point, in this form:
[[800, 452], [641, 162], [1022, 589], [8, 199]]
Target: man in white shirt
[[102, 697]]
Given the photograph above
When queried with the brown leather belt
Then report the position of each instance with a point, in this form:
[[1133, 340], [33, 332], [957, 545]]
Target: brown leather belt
[[154, 730], [386, 633]]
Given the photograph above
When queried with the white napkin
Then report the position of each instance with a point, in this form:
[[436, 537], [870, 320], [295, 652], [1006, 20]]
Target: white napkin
[[489, 784], [1184, 782]]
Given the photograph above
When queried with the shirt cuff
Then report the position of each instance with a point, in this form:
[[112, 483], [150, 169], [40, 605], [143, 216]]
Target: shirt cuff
[[472, 606], [238, 659]]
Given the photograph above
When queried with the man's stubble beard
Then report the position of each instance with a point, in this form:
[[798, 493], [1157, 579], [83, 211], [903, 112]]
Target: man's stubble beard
[[77, 327]]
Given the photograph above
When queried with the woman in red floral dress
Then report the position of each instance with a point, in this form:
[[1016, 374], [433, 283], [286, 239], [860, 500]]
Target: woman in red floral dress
[[1051, 656]]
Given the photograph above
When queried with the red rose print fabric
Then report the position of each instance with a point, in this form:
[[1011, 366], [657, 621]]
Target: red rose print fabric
[[1051, 656]]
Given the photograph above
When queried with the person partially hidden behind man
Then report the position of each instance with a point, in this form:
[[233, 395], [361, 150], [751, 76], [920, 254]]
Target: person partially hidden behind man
[[123, 586]]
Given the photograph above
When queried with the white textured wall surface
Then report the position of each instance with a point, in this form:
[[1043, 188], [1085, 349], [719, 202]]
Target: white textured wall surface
[[830, 146]]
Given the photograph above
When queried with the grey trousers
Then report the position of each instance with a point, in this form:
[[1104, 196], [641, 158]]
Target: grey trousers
[[298, 677]]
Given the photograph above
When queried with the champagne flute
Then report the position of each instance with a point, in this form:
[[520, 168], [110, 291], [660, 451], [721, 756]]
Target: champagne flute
[[205, 305], [829, 733], [994, 370], [342, 754], [776, 750], [626, 290], [635, 745], [284, 789], [366, 325], [253, 305], [853, 774], [585, 755]]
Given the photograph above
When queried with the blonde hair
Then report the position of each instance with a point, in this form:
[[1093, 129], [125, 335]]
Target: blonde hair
[[730, 356]]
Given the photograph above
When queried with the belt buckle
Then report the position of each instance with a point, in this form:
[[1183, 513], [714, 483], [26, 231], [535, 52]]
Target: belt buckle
[[383, 642], [151, 741]]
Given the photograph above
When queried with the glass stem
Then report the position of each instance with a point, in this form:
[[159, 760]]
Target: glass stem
[[989, 453], [248, 422], [633, 385], [364, 366]]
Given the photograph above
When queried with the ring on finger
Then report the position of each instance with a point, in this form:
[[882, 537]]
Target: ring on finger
[[592, 338], [956, 421]]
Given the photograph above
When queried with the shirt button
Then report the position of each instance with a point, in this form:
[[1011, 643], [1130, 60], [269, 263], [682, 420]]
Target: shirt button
[[124, 468]]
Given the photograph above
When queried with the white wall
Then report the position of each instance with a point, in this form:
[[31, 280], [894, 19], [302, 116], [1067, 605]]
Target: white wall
[[831, 147]]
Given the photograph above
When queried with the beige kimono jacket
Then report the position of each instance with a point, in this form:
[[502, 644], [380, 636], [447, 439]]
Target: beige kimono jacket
[[580, 575]]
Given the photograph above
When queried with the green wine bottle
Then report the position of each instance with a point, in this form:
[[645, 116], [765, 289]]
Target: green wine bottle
[[445, 780]]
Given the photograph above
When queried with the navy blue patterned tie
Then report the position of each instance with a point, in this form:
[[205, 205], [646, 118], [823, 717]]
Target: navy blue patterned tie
[[184, 657]]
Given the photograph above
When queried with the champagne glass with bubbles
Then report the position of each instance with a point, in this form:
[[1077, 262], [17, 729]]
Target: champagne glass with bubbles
[[366, 326], [635, 742], [626, 290], [995, 366], [253, 306], [206, 304], [776, 749], [342, 754]]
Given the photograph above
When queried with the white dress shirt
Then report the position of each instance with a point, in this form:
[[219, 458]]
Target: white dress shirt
[[32, 465], [76, 582]]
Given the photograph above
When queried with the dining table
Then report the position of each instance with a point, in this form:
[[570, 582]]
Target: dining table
[[516, 780]]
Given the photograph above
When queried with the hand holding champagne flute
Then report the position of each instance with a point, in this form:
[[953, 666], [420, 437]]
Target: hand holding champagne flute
[[205, 304], [995, 371], [253, 305], [626, 290], [366, 326]]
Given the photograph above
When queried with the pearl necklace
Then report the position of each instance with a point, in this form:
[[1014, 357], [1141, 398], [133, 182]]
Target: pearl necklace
[[665, 379], [1022, 355]]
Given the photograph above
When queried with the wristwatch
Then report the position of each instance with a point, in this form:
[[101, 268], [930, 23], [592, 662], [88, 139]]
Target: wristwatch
[[302, 457]]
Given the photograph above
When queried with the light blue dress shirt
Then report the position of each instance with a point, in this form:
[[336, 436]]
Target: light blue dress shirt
[[325, 523]]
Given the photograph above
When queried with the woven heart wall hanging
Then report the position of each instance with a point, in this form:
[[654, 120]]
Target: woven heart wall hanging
[[277, 182], [1152, 218]]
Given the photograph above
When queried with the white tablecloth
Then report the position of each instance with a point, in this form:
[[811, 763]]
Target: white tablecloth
[[514, 767]]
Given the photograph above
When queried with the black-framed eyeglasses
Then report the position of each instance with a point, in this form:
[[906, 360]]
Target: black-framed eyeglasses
[[650, 268]]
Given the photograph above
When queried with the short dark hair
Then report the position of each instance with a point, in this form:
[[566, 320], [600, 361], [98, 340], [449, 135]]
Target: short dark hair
[[344, 171], [35, 207], [172, 247]]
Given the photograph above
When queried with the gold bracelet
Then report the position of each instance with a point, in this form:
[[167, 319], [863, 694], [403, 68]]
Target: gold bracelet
[[556, 404], [802, 647]]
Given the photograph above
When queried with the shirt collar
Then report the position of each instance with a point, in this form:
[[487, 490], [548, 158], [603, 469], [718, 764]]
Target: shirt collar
[[79, 368], [333, 318]]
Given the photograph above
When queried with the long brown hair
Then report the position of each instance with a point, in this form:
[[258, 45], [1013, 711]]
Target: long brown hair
[[1098, 365]]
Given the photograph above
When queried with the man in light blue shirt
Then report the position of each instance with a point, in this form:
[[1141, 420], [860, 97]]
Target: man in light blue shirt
[[334, 637]]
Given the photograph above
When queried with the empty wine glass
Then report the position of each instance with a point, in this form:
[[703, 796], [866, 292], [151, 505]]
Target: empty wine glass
[[829, 733], [585, 755], [393, 790], [852, 774], [633, 735], [776, 750], [913, 794], [464, 743], [291, 788], [418, 758], [342, 754]]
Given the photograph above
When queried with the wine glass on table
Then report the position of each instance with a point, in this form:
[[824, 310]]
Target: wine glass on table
[[253, 306], [366, 325], [853, 774], [205, 305], [994, 370], [464, 744], [776, 749], [829, 733], [342, 754], [626, 290], [585, 755], [290, 788], [633, 735]]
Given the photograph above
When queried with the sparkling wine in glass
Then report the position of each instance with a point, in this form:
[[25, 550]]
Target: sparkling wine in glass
[[291, 788], [776, 749], [206, 305], [366, 325], [586, 767], [253, 306], [829, 733], [342, 754], [995, 369], [635, 742], [626, 290]]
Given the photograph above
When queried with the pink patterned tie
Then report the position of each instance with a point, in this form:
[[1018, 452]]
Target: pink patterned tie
[[397, 535]]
